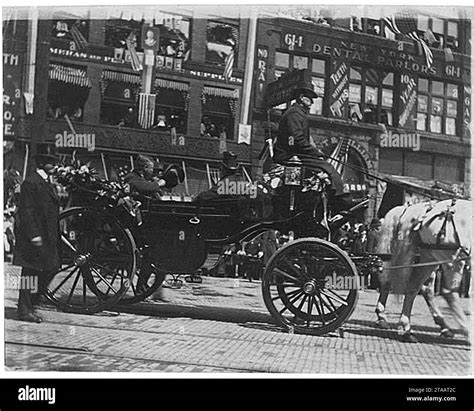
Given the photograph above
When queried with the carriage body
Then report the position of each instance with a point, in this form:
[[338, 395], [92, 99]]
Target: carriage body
[[113, 238]]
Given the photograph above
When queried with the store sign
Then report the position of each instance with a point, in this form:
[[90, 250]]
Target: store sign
[[407, 101], [281, 90], [261, 75], [11, 94], [466, 124], [293, 41], [167, 64], [339, 89]]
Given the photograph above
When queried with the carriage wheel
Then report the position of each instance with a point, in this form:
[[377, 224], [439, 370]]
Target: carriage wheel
[[98, 262], [140, 290], [310, 286]]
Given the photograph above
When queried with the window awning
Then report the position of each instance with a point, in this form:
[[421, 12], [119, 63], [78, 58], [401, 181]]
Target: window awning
[[221, 92], [175, 85], [121, 77], [69, 75]]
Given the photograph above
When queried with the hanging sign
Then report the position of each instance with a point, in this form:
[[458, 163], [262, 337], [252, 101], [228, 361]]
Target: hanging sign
[[11, 94]]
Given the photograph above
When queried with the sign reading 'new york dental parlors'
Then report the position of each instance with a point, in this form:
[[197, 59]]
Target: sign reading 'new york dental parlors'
[[381, 52]]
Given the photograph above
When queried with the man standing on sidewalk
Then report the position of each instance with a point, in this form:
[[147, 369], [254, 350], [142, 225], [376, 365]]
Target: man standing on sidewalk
[[37, 232]]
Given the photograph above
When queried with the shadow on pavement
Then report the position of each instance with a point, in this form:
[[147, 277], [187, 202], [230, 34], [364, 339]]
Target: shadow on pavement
[[199, 312], [421, 333]]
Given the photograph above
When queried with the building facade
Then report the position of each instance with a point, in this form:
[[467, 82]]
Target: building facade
[[395, 113], [109, 83]]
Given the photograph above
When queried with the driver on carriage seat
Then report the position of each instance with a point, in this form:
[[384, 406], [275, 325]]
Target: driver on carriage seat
[[294, 140]]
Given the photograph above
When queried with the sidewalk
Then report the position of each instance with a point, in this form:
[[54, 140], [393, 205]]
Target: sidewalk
[[222, 325]]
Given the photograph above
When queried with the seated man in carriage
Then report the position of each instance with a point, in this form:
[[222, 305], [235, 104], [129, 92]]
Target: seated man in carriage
[[142, 180], [293, 140]]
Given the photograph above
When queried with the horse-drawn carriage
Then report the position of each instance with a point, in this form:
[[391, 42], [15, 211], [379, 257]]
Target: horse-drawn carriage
[[114, 241]]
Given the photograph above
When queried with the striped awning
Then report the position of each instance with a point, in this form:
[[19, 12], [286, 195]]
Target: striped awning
[[175, 85], [121, 77], [221, 92], [69, 75]]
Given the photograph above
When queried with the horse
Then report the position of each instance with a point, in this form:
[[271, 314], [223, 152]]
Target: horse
[[440, 234]]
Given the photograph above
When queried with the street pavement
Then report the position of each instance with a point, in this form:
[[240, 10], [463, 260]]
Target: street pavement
[[223, 326]]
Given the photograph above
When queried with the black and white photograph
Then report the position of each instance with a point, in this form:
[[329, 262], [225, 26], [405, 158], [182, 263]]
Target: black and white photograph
[[237, 190]]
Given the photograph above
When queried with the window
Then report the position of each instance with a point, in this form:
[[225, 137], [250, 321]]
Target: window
[[119, 98], [418, 164], [117, 31], [68, 90], [318, 78], [175, 40], [371, 95], [221, 41], [437, 108], [219, 111], [447, 168], [365, 25], [439, 33], [283, 62], [171, 105], [70, 32]]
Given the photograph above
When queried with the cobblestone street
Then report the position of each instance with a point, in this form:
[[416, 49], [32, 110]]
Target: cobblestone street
[[220, 326]]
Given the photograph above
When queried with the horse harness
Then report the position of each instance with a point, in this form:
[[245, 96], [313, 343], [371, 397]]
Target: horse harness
[[448, 216]]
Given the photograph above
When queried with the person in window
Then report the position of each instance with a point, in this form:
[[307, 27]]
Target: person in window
[[205, 126], [293, 139]]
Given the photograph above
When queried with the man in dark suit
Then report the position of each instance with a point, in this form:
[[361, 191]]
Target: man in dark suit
[[294, 140], [141, 179], [229, 168], [37, 233]]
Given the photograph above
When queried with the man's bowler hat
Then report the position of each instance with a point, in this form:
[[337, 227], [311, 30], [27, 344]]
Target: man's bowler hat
[[229, 160], [306, 91]]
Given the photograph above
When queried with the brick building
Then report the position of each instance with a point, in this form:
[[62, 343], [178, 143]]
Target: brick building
[[395, 113], [88, 69]]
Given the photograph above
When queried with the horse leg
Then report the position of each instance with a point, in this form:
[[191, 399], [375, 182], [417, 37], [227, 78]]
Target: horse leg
[[428, 295], [418, 277], [381, 304], [449, 291]]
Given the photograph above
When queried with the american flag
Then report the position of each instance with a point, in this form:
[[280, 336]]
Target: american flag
[[229, 65], [405, 23], [146, 110], [78, 37]]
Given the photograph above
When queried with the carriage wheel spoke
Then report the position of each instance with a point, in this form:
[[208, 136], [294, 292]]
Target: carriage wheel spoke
[[68, 243], [302, 302], [291, 266], [73, 287], [103, 279], [331, 310], [64, 280], [285, 274], [335, 297], [290, 294], [84, 291], [112, 281], [319, 309], [310, 309]]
